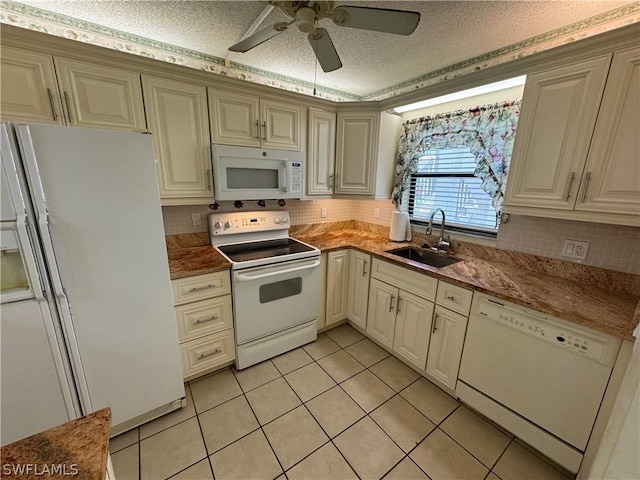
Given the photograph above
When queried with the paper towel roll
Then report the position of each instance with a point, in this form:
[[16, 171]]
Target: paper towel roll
[[399, 227]]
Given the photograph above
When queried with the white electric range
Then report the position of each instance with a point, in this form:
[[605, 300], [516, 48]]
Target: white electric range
[[275, 283]]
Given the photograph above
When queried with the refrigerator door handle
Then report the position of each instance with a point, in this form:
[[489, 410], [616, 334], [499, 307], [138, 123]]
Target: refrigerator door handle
[[39, 203]]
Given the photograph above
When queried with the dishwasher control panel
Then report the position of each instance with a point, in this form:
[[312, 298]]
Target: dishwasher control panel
[[546, 329]]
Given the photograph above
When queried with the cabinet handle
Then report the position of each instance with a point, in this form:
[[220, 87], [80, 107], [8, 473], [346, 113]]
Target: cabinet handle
[[53, 108], [210, 319], [435, 323], [567, 191], [399, 303], [208, 179], [450, 297], [68, 103], [209, 354], [258, 129], [331, 181], [198, 289], [264, 131], [586, 186], [364, 268], [393, 297]]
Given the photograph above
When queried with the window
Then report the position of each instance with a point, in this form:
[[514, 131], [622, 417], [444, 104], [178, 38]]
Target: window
[[444, 179]]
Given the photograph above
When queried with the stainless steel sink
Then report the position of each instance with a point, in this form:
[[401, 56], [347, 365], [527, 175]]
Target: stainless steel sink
[[424, 256]]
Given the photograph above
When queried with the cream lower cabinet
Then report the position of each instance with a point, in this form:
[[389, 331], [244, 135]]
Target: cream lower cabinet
[[447, 333], [358, 296], [400, 310], [178, 120], [248, 120], [576, 151], [337, 286], [204, 319], [321, 319]]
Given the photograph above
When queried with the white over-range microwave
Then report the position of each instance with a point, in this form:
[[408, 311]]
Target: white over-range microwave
[[250, 173]]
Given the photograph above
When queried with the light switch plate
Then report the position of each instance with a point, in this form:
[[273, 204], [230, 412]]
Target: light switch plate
[[195, 219], [376, 212], [575, 249], [323, 212]]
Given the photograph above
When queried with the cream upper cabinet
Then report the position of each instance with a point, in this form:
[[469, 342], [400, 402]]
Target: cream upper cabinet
[[177, 118], [358, 297], [576, 151], [321, 151], [100, 97], [445, 346], [248, 120], [366, 146], [337, 286], [28, 87], [611, 181], [413, 325]]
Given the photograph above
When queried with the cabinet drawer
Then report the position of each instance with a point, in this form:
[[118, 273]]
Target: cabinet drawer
[[405, 279], [192, 289], [202, 318], [207, 352], [454, 298]]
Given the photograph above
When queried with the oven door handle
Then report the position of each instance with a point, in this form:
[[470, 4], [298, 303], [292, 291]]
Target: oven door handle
[[245, 277]]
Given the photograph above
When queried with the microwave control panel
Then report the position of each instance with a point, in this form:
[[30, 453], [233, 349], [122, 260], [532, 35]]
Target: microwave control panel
[[296, 177]]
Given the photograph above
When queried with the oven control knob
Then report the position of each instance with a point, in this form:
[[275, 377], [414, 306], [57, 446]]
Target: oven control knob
[[277, 220], [227, 224], [217, 225], [285, 220]]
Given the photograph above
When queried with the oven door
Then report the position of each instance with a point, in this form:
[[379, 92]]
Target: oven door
[[240, 175], [273, 298]]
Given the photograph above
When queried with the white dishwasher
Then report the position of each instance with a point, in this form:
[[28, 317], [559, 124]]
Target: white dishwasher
[[541, 378]]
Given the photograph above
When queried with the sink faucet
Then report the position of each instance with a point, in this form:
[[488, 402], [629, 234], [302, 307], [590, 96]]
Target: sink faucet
[[443, 245]]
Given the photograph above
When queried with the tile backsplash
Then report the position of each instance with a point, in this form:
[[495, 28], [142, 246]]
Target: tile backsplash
[[613, 247]]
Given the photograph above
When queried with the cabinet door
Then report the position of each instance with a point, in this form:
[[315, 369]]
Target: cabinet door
[[337, 285], [559, 110], [281, 125], [445, 346], [356, 153], [322, 296], [321, 152], [177, 117], [100, 97], [612, 175], [413, 327], [234, 118], [359, 274], [381, 315], [28, 87]]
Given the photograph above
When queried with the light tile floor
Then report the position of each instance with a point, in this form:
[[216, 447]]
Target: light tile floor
[[340, 407]]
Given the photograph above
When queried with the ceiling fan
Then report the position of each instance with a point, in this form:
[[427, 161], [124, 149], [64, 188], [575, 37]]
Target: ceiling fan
[[307, 14]]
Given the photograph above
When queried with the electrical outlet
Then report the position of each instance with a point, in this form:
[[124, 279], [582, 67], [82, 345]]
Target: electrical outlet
[[376, 213], [195, 219], [323, 212], [575, 249]]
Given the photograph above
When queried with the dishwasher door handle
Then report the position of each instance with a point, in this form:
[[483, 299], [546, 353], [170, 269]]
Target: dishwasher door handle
[[245, 277]]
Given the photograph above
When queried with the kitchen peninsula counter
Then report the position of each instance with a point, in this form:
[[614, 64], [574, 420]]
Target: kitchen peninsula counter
[[75, 449], [565, 290]]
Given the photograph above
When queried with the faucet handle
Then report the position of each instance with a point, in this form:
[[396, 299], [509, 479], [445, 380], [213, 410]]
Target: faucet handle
[[443, 245]]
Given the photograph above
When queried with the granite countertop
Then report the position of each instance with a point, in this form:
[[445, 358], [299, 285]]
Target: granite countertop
[[77, 449], [611, 311]]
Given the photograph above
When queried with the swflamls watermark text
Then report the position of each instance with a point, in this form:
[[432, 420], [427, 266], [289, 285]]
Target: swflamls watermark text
[[40, 469]]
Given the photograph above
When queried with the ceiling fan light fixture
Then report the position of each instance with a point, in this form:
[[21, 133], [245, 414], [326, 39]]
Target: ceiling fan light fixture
[[305, 19]]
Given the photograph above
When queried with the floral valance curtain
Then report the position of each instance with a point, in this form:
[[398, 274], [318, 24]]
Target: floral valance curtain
[[488, 131]]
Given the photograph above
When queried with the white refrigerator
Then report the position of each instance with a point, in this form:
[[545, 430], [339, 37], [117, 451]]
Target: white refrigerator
[[86, 314]]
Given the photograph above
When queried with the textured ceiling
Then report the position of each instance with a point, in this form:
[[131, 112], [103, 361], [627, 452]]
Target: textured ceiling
[[449, 32]]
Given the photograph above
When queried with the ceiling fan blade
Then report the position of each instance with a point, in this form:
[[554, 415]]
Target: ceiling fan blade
[[258, 38], [325, 51], [377, 19]]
